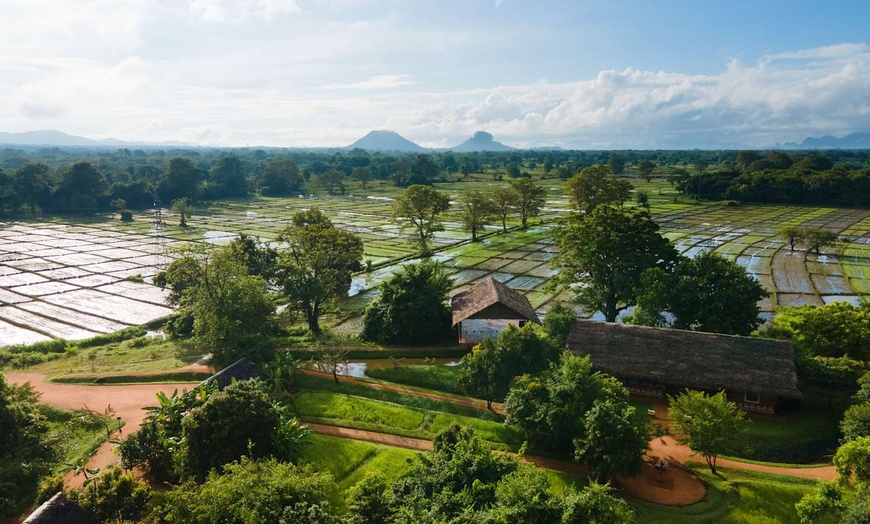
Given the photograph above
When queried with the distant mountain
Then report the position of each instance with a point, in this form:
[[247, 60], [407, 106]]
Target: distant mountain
[[45, 138], [850, 141], [481, 141], [386, 141], [50, 137]]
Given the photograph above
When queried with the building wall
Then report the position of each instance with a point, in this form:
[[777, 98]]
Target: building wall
[[473, 331]]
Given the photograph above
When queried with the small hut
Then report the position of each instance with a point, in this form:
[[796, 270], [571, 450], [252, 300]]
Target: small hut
[[757, 374], [60, 510], [487, 309]]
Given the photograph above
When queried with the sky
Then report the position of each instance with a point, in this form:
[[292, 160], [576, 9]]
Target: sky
[[614, 74]]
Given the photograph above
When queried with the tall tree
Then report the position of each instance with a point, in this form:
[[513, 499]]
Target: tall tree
[[504, 201], [421, 207], [476, 211], [593, 187], [182, 179], [530, 198], [280, 177], [8, 198], [316, 267], [411, 308], [706, 293], [82, 187], [709, 424], [228, 175], [607, 251], [363, 174], [646, 168], [614, 441], [31, 184], [423, 170], [183, 209]]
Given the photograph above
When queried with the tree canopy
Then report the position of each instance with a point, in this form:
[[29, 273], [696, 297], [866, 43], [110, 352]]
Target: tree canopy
[[593, 187], [706, 293], [606, 252], [421, 207], [709, 424], [411, 308]]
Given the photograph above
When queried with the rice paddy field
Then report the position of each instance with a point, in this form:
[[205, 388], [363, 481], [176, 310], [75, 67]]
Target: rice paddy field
[[77, 277]]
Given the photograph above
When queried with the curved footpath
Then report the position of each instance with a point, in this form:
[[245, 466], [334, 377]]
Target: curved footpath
[[676, 486]]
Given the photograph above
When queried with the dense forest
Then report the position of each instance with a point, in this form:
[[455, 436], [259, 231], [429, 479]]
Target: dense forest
[[90, 180]]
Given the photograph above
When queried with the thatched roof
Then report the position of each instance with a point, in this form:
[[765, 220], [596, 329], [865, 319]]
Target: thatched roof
[[242, 369], [688, 358], [60, 510], [491, 293]]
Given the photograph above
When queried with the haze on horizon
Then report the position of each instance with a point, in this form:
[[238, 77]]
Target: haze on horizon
[[576, 74]]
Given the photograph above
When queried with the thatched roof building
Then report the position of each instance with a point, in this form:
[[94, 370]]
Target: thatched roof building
[[488, 308], [665, 360], [490, 299], [60, 510], [242, 369]]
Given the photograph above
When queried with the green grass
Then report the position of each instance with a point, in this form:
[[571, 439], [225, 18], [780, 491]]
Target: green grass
[[78, 436], [350, 461], [386, 417], [168, 376], [438, 378], [404, 399], [734, 497]]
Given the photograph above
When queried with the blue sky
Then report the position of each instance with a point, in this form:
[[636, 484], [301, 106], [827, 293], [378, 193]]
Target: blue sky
[[605, 74]]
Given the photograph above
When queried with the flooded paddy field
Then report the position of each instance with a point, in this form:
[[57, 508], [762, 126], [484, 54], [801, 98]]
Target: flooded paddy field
[[75, 278]]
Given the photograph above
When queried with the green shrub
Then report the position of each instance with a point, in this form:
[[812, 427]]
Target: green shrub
[[117, 336]]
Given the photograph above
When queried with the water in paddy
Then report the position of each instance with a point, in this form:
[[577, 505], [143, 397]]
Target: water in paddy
[[358, 368]]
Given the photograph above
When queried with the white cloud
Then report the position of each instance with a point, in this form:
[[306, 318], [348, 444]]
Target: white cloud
[[241, 10], [375, 82]]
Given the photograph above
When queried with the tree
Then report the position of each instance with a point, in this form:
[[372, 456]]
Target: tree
[[423, 171], [368, 502], [646, 168], [183, 209], [557, 324], [606, 252], [792, 234], [489, 369], [593, 187], [239, 421], [504, 201], [8, 198], [253, 491], [643, 199], [616, 164], [709, 424], [31, 184], [476, 211], [82, 187], [117, 496], [817, 239], [331, 180], [182, 179], [837, 329], [852, 460], [228, 175], [614, 440], [316, 267], [856, 421], [595, 505], [411, 308], [259, 258], [706, 293], [27, 451], [280, 177], [530, 198], [421, 206], [363, 174]]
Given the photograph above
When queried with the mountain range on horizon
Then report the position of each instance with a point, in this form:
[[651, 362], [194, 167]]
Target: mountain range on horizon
[[387, 141]]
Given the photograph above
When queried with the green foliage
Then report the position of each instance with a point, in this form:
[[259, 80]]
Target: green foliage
[[709, 424], [793, 235], [595, 505], [856, 421], [316, 267], [369, 502], [828, 497], [253, 492], [551, 408], [838, 329], [420, 207], [852, 460], [114, 496], [435, 377], [817, 239], [227, 178], [614, 440], [594, 187], [606, 252], [557, 323], [26, 450], [240, 420], [706, 293], [411, 308], [476, 211], [504, 202], [530, 198], [487, 372], [183, 208], [280, 177]]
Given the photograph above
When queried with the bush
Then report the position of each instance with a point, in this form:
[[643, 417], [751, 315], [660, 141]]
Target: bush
[[117, 336], [126, 215], [114, 495]]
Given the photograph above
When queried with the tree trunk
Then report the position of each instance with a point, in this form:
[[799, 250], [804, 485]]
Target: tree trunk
[[504, 223]]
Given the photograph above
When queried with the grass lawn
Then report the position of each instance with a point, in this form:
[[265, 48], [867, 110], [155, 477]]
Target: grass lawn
[[78, 434], [386, 417], [735, 497], [438, 378]]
